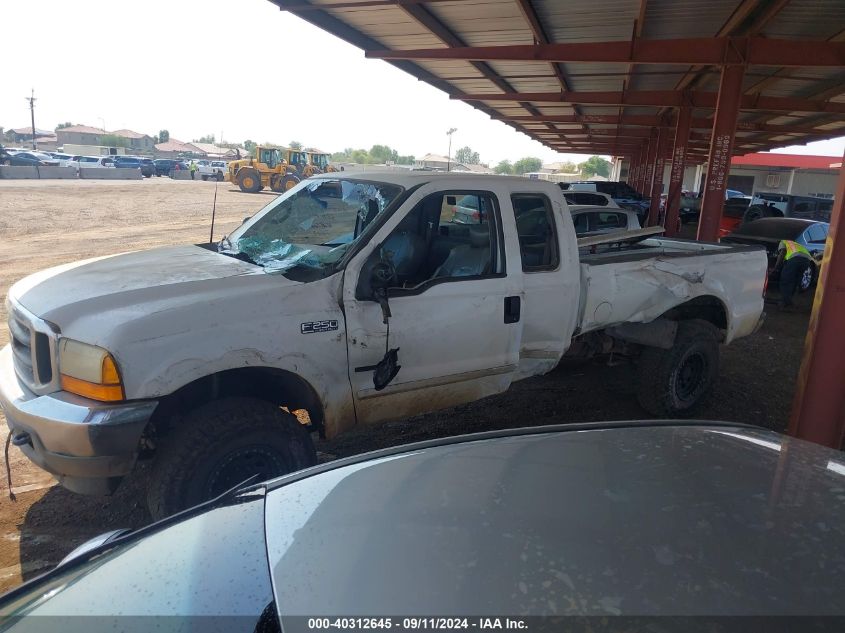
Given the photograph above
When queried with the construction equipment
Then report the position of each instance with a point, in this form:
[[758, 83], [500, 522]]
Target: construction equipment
[[279, 168], [320, 161], [276, 167]]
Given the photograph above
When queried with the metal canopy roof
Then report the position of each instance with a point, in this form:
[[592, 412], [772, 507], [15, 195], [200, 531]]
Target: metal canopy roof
[[597, 76]]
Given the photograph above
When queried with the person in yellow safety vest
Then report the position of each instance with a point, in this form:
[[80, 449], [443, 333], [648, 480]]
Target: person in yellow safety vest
[[793, 262], [193, 167]]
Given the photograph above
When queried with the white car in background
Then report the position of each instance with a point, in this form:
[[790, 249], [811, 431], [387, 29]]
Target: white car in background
[[96, 162], [65, 160], [598, 220]]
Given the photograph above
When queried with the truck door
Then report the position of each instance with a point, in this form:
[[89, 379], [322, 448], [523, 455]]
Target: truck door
[[551, 280], [455, 302]]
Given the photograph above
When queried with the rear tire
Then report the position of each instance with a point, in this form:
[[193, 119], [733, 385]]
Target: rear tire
[[221, 444], [674, 382], [755, 212], [277, 183], [290, 181]]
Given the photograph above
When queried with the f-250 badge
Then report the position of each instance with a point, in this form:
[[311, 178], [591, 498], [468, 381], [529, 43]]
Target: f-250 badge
[[312, 327]]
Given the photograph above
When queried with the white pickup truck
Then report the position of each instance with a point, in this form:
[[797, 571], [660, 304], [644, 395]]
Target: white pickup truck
[[212, 169], [347, 301]]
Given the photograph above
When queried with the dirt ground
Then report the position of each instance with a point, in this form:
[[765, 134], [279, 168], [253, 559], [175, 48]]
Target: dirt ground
[[45, 223]]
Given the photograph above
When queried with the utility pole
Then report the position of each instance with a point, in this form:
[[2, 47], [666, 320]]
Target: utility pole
[[32, 100], [451, 131]]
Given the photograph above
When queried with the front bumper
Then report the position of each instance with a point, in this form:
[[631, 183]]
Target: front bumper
[[88, 445]]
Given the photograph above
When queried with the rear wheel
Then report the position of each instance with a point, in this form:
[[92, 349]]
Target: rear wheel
[[675, 381], [204, 177], [249, 180], [222, 444]]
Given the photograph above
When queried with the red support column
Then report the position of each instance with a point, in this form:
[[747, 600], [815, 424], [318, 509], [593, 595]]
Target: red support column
[[818, 410], [721, 149], [649, 164], [676, 174], [657, 183], [641, 167], [632, 170]]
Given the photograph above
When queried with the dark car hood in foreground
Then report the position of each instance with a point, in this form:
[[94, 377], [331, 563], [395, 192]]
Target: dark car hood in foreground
[[648, 521], [653, 521]]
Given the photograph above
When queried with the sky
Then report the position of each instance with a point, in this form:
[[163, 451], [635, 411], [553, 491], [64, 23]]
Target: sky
[[242, 69]]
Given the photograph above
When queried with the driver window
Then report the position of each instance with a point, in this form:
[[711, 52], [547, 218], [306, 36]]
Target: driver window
[[447, 236]]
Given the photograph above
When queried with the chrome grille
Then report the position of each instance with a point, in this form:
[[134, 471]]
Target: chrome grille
[[33, 349]]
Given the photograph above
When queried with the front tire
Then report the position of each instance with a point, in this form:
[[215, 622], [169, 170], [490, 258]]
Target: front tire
[[221, 444], [674, 382], [249, 181]]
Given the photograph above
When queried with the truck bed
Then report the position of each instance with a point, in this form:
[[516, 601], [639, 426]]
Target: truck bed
[[639, 282]]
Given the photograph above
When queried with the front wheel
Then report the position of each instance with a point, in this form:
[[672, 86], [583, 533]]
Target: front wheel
[[222, 444], [674, 382]]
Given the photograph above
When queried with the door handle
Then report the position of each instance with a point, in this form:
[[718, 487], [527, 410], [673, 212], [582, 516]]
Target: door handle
[[512, 309]]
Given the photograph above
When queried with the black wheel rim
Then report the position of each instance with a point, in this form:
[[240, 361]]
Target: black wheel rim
[[690, 378], [240, 465]]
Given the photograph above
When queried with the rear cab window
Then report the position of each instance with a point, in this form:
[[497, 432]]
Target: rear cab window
[[535, 226]]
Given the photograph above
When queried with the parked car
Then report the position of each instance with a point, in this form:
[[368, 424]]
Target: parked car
[[212, 169], [31, 159], [622, 193], [670, 522], [65, 160], [93, 162], [733, 214], [768, 232], [588, 199], [734, 193], [298, 321], [594, 220], [163, 166], [765, 205], [129, 162]]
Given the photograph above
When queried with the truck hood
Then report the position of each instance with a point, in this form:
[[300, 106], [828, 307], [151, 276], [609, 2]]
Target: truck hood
[[106, 282]]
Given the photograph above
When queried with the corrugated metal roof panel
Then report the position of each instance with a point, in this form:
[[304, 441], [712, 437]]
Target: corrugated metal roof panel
[[421, 24]]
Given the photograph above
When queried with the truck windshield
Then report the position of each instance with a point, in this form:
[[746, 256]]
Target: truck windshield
[[307, 230]]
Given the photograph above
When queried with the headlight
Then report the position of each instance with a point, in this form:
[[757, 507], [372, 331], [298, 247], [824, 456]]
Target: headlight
[[90, 371]]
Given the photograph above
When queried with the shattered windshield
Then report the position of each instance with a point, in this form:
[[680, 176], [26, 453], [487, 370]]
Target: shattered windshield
[[306, 231]]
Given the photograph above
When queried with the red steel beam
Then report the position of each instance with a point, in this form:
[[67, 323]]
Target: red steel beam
[[659, 168], [818, 410], [659, 98], [646, 120], [713, 51], [676, 173], [639, 186], [721, 149], [653, 143]]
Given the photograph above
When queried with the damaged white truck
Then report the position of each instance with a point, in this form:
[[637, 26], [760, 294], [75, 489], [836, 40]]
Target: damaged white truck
[[348, 301]]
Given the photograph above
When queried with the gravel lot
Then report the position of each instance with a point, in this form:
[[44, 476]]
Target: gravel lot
[[45, 223]]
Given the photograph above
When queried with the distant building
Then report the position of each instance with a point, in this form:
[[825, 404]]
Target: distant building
[[136, 140], [23, 134], [80, 135], [439, 163], [769, 172], [174, 149], [211, 150]]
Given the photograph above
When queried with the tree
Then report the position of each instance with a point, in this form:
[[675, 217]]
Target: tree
[[295, 145], [595, 166], [163, 136], [527, 165], [9, 135], [209, 138], [568, 167], [360, 156], [504, 167], [466, 156], [405, 160], [111, 140], [61, 126]]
